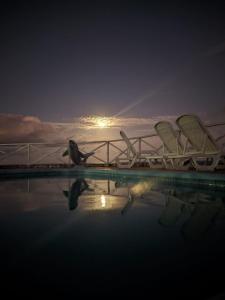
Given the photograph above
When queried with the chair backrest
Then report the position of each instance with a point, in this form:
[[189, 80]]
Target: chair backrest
[[130, 147], [169, 137], [197, 134], [74, 152]]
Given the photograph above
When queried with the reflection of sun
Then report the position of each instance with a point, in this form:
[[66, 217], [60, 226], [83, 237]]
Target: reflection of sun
[[103, 200]]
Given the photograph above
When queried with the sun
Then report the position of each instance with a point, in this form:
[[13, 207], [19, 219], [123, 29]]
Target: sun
[[102, 122], [97, 122]]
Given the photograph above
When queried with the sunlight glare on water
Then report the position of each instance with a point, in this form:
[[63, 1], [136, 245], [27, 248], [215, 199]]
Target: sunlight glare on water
[[103, 201]]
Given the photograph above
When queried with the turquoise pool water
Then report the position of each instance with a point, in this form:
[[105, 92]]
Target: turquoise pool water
[[112, 235]]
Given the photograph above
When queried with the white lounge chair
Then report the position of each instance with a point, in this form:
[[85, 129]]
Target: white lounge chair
[[200, 144], [173, 150], [153, 158]]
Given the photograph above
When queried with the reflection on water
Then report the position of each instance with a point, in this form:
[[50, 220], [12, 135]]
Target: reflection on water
[[199, 211], [76, 189], [113, 228], [193, 211], [103, 201]]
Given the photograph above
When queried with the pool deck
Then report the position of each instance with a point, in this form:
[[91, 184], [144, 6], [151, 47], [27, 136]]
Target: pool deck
[[207, 178]]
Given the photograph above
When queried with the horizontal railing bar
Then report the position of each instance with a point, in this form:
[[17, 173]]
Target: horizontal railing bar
[[16, 144]]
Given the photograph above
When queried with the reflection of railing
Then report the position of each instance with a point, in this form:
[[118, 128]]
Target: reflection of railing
[[106, 152], [103, 188]]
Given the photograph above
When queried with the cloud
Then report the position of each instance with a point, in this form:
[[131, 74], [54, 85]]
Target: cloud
[[24, 129], [89, 122], [19, 128]]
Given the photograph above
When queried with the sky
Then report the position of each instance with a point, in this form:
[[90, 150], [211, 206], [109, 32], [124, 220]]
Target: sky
[[64, 60]]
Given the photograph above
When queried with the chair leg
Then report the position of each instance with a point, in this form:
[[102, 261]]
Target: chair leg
[[153, 166], [221, 163], [127, 165], [179, 163], [211, 167]]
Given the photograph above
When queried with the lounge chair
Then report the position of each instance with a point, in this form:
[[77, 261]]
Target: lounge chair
[[75, 155], [173, 150], [200, 144], [153, 158]]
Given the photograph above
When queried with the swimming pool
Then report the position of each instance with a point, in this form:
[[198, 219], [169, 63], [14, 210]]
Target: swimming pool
[[112, 234]]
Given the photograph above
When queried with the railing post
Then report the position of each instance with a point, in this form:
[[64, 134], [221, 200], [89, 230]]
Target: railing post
[[107, 154], [139, 149], [108, 187], [139, 144]]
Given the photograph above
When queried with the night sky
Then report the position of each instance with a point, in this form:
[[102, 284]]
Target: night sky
[[62, 60]]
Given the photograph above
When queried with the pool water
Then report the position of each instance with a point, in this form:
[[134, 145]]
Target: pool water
[[102, 236]]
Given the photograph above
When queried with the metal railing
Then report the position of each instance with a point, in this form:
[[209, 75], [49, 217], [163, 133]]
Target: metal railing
[[106, 151]]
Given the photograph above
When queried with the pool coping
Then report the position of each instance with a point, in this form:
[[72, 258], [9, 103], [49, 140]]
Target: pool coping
[[85, 171]]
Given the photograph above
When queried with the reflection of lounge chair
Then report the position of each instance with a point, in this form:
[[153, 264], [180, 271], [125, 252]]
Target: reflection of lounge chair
[[120, 183], [133, 156], [172, 211], [128, 204], [201, 219], [76, 156], [172, 147], [205, 152], [77, 188]]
